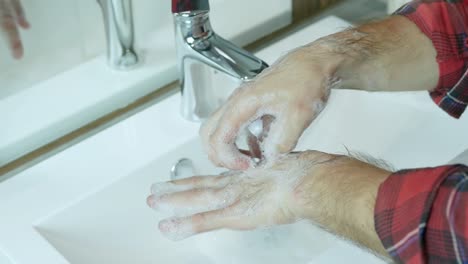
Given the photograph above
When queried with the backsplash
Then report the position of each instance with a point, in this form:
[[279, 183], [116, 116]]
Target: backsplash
[[65, 33]]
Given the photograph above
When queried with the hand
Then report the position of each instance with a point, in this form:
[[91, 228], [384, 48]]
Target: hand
[[336, 192], [11, 16], [291, 93], [238, 200]]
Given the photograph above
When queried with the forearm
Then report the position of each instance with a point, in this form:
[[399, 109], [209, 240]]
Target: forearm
[[390, 55], [345, 192]]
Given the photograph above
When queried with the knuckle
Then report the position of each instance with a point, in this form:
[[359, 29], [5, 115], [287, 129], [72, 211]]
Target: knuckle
[[217, 192], [221, 193], [200, 218], [303, 107], [286, 147], [214, 158], [229, 196], [206, 128], [198, 181], [213, 150], [303, 199], [195, 180], [213, 139], [212, 194], [198, 222]]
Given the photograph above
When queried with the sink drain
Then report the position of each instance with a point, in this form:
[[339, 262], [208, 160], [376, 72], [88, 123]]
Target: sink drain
[[183, 168]]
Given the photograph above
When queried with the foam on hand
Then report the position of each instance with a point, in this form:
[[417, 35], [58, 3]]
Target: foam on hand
[[205, 200], [162, 188], [176, 229], [256, 192]]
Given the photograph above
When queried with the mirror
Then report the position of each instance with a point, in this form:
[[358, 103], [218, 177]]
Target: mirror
[[62, 82]]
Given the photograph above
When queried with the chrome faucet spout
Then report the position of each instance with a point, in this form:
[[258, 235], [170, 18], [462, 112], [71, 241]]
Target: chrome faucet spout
[[118, 22], [198, 47]]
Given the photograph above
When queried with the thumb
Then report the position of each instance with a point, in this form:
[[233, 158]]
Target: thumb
[[285, 132]]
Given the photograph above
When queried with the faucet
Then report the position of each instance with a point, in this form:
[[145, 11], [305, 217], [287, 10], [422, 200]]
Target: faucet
[[118, 22], [202, 55]]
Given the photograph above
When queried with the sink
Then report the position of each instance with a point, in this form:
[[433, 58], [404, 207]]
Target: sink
[[115, 226], [4, 259], [87, 203]]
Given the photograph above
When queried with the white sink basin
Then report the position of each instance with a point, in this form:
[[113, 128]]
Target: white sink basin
[[87, 204], [115, 226]]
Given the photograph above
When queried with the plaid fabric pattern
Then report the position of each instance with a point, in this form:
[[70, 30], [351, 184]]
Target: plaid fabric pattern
[[421, 215], [446, 24]]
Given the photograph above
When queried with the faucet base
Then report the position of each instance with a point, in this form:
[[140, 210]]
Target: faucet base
[[127, 61], [118, 21]]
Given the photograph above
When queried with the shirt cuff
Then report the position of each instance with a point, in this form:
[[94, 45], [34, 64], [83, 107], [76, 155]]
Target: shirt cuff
[[402, 210], [443, 23]]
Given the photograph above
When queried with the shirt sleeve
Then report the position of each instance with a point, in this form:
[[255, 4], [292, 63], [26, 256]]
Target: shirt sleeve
[[445, 22], [421, 215]]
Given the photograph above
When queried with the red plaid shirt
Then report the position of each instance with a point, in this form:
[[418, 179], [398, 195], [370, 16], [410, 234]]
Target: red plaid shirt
[[421, 215]]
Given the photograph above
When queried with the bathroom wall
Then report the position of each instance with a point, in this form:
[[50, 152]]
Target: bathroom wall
[[65, 33]]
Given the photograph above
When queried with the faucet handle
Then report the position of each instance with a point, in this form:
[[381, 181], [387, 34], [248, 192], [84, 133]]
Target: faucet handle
[[179, 6]]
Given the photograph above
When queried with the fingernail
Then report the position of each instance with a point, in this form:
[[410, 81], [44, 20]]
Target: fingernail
[[176, 228], [18, 50], [158, 202], [23, 22], [150, 201]]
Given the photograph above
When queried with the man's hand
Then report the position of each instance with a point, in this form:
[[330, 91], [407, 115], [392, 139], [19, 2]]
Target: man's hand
[[391, 55], [291, 93], [334, 191], [11, 16]]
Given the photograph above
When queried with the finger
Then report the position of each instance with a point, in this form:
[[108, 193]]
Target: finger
[[194, 201], [209, 126], [285, 132], [246, 152], [181, 228], [237, 116], [9, 28], [195, 182], [19, 13], [161, 188], [267, 120], [254, 146], [206, 131]]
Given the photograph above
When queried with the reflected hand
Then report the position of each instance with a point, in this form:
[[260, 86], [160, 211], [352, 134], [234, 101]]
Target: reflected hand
[[259, 197], [11, 16]]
